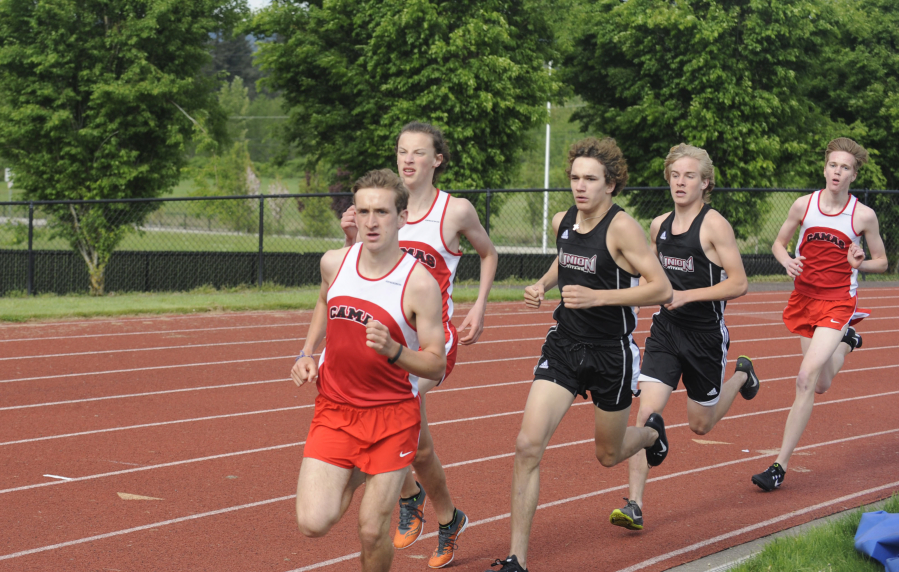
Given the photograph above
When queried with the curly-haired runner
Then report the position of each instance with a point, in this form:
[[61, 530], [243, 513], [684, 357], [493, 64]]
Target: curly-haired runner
[[601, 253]]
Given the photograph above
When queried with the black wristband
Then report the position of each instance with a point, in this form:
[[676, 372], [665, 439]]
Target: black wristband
[[397, 356]]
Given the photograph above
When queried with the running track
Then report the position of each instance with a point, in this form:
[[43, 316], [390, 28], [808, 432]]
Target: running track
[[196, 411]]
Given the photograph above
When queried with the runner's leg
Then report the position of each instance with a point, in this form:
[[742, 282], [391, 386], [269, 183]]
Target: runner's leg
[[653, 398], [703, 418], [546, 405], [324, 492], [818, 351], [615, 441], [832, 367], [381, 492]]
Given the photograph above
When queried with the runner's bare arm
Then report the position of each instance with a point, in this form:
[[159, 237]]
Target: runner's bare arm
[[866, 224], [534, 294], [792, 265], [627, 244], [305, 369], [717, 233], [463, 216], [348, 225], [423, 306]]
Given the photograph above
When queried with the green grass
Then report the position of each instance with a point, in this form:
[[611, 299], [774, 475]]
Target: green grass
[[16, 307], [826, 548]]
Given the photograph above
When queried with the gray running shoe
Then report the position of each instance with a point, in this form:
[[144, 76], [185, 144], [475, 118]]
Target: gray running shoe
[[629, 517]]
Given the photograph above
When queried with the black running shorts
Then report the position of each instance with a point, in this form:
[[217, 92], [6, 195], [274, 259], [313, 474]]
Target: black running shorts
[[672, 352], [607, 369]]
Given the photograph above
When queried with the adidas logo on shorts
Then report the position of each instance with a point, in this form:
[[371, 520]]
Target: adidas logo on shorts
[[713, 392], [565, 234], [545, 364]]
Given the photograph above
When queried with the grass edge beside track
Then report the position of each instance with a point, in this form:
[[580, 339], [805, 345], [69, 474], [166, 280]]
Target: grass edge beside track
[[829, 547], [20, 308]]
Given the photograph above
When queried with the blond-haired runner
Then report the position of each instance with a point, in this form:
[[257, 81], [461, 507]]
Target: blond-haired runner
[[824, 304], [688, 339], [601, 253], [380, 309], [432, 234]]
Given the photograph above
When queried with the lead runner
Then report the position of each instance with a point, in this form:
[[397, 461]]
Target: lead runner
[[381, 311], [437, 222]]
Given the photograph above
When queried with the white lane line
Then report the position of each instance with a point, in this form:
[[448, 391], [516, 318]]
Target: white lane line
[[688, 473], [284, 340], [146, 394], [226, 386], [129, 350], [58, 477], [159, 424], [753, 527], [152, 467], [154, 332], [476, 523], [145, 527], [89, 373], [446, 422]]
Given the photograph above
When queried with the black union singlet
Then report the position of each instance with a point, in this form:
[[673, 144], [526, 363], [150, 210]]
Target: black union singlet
[[584, 260], [687, 267]]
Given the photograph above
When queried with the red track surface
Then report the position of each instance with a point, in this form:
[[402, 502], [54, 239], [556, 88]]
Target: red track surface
[[196, 411]]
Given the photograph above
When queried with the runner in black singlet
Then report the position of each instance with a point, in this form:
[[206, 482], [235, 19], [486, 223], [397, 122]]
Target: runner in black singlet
[[601, 253], [688, 338]]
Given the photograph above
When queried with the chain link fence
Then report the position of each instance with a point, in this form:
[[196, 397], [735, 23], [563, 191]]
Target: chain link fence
[[178, 244]]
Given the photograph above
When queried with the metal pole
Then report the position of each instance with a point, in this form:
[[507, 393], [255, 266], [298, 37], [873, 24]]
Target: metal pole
[[546, 170], [487, 214], [546, 177], [29, 285], [261, 233]]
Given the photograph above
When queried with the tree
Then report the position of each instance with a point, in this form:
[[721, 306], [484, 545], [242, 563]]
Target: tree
[[731, 76], [352, 73], [98, 99], [859, 88]]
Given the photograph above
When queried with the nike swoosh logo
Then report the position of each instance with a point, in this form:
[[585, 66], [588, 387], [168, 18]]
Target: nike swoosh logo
[[664, 448], [834, 321], [405, 454]]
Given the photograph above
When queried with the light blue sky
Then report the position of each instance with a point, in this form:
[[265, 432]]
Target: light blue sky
[[257, 4]]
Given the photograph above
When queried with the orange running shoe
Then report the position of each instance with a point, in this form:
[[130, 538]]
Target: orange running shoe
[[411, 520], [446, 541]]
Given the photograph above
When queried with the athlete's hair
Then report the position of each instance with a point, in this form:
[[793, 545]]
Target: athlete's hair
[[849, 146], [437, 139], [706, 169], [605, 151], [384, 179]]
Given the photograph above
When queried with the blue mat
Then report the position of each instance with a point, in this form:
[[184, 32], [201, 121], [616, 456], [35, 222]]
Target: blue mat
[[878, 537]]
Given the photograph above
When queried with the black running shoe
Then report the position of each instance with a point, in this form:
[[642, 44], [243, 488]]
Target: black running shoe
[[657, 452], [751, 386], [771, 478], [510, 564], [629, 517], [853, 338]]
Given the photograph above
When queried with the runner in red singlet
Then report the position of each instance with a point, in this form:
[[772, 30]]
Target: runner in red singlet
[[436, 224], [380, 310], [824, 302]]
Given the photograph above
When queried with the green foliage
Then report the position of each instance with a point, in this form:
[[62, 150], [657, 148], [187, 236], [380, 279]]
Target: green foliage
[[98, 99], [352, 73], [728, 76], [230, 173], [316, 212]]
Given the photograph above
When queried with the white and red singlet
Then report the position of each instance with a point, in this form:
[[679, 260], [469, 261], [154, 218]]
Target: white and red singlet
[[824, 241], [350, 372]]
